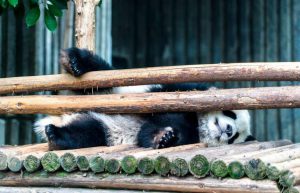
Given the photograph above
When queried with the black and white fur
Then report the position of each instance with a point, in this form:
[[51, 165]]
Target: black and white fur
[[159, 130]]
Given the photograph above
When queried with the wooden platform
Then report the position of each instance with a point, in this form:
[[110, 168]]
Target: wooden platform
[[281, 154]]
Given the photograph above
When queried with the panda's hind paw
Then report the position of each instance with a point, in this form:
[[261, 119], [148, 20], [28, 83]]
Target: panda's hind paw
[[50, 131], [168, 139]]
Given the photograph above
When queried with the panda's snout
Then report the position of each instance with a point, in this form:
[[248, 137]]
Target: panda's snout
[[227, 129]]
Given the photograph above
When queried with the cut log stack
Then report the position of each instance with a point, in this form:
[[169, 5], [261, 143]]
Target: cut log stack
[[267, 165], [255, 164]]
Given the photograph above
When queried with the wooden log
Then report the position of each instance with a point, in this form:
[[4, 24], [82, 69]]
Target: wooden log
[[291, 190], [63, 190], [137, 182], [179, 167], [219, 168], [129, 164], [274, 169], [96, 164], [145, 165], [155, 75], [244, 98], [255, 169], [236, 170], [199, 166], [162, 165], [290, 176], [14, 156]]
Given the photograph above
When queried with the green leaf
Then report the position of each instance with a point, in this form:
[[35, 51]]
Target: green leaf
[[50, 20], [54, 10], [32, 16], [61, 4], [3, 3], [13, 3]]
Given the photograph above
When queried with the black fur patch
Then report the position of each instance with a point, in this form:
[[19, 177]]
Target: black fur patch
[[231, 141], [250, 138], [230, 114]]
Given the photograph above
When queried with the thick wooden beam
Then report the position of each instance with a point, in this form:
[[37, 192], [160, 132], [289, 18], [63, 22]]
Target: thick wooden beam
[[172, 74], [193, 101], [137, 182]]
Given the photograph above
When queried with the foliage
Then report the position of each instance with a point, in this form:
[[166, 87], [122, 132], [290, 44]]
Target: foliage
[[32, 10]]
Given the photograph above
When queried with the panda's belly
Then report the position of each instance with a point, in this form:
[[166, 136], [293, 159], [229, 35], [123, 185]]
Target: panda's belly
[[122, 129]]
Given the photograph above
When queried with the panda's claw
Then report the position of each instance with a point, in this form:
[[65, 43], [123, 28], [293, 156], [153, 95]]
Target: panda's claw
[[167, 140]]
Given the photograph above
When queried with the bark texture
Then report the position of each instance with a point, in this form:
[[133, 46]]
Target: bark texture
[[155, 75], [193, 101]]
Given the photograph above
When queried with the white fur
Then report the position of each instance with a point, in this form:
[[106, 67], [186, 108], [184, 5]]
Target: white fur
[[123, 129], [133, 89], [209, 132], [40, 125]]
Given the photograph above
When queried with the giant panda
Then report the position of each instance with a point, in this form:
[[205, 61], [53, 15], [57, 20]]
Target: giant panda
[[158, 130]]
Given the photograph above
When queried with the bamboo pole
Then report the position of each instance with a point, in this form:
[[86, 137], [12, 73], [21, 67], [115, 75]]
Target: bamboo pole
[[243, 98], [155, 75], [137, 182]]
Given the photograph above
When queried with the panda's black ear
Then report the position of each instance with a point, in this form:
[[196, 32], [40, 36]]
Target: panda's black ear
[[250, 138]]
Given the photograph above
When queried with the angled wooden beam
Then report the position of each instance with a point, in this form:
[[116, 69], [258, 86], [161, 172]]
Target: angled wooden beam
[[288, 71], [193, 101]]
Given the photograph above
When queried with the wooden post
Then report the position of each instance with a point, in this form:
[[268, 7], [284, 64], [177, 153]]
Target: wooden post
[[85, 23]]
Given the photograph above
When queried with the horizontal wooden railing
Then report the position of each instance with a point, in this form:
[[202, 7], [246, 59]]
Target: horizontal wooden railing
[[288, 71], [242, 98]]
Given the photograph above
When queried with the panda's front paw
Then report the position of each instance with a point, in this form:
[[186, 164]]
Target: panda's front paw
[[166, 138], [71, 62]]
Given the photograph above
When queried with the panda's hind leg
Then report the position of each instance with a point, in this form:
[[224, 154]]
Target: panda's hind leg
[[165, 138], [156, 137], [80, 132]]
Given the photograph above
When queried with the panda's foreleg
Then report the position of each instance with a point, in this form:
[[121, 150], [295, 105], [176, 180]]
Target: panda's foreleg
[[79, 61]]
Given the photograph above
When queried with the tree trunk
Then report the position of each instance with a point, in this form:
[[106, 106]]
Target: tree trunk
[[85, 24]]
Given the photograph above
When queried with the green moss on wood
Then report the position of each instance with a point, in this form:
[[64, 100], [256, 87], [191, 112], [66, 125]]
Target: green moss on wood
[[97, 164], [129, 164], [199, 166], [162, 165], [179, 167], [68, 162], [219, 168], [3, 161], [273, 173], [236, 170], [146, 166], [112, 166], [255, 169], [291, 190], [286, 179], [82, 163], [50, 162], [15, 164], [31, 163]]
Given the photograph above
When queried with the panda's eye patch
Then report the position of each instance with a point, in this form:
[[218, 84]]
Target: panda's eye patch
[[229, 114]]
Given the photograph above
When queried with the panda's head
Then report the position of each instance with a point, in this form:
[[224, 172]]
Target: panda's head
[[224, 127]]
